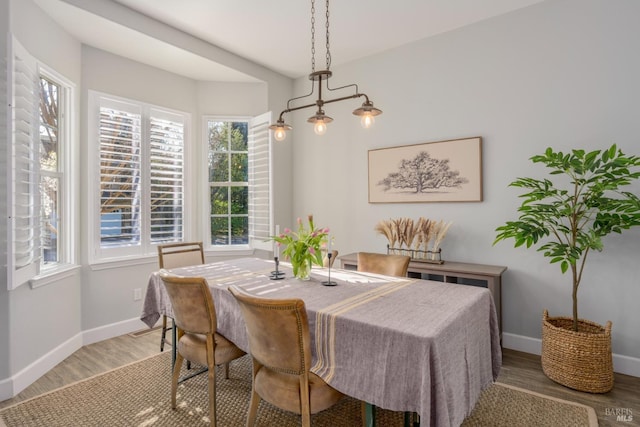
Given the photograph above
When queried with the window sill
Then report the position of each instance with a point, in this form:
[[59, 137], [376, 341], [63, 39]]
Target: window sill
[[54, 274], [238, 250], [117, 262]]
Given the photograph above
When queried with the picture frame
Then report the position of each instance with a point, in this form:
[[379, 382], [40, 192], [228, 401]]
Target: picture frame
[[440, 171]]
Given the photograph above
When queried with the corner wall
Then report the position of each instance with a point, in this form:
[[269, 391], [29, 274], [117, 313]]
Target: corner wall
[[95, 303], [56, 305]]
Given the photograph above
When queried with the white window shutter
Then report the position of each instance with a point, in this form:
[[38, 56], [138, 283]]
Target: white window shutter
[[166, 161], [260, 196], [120, 173], [23, 204]]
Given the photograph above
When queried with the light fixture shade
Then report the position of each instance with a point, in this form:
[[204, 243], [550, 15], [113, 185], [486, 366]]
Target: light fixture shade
[[319, 117], [320, 121], [280, 130], [367, 109], [367, 112]]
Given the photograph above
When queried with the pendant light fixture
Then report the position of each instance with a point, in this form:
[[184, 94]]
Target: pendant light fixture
[[366, 112]]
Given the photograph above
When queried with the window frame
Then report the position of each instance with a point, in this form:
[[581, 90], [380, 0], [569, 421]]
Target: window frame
[[253, 244], [226, 184], [106, 255], [66, 174]]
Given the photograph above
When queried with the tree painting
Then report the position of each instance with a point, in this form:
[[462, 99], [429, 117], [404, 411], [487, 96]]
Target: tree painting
[[422, 174], [441, 171]]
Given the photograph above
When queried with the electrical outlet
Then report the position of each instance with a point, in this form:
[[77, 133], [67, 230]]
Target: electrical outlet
[[137, 294]]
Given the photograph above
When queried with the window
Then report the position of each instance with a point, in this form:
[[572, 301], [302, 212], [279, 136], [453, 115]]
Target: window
[[139, 176], [239, 176], [39, 238], [51, 172], [228, 182], [56, 184]]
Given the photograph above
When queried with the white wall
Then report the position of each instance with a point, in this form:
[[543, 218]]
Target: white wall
[[43, 319], [560, 73], [4, 294]]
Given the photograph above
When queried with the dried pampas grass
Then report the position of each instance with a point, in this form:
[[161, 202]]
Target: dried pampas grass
[[439, 233], [419, 238], [386, 229]]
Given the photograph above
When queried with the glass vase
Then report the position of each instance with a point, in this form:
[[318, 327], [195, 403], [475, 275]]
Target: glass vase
[[304, 271]]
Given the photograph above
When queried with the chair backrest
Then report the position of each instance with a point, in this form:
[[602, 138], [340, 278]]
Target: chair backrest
[[389, 265], [278, 332], [183, 254], [192, 303], [326, 262]]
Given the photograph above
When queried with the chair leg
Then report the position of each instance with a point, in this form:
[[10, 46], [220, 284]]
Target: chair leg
[[255, 397], [305, 404], [164, 332], [212, 394], [306, 419], [226, 371], [253, 408], [174, 379]]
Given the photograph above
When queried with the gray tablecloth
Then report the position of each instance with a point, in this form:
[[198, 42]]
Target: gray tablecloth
[[399, 343]]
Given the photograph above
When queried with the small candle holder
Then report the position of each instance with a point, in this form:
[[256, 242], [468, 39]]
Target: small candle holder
[[329, 282], [276, 274]]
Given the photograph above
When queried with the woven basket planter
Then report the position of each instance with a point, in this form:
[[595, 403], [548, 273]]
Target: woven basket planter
[[579, 360]]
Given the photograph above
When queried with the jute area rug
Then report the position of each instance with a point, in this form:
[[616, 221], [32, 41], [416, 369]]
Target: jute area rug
[[139, 394]]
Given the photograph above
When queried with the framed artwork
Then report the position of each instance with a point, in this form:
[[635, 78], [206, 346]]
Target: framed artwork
[[442, 171]]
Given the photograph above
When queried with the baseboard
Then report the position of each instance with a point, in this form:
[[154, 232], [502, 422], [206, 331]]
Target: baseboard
[[626, 365], [10, 387], [621, 364], [113, 330], [522, 343]]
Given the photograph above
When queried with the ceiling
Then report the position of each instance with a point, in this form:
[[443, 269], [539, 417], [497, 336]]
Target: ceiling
[[273, 33]]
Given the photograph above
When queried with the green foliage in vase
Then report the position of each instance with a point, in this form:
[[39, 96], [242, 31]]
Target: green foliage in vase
[[304, 245], [570, 212]]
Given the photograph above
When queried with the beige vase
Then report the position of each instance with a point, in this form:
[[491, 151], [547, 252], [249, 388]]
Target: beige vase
[[579, 360]]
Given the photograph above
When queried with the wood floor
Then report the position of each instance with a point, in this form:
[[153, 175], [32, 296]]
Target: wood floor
[[518, 369]]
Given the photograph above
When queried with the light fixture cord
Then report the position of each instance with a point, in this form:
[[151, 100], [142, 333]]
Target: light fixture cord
[[327, 35], [313, 36]]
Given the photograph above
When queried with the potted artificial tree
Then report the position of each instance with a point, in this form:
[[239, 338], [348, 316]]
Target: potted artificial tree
[[568, 213]]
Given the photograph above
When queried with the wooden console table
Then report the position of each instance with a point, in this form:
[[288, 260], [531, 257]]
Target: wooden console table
[[486, 276]]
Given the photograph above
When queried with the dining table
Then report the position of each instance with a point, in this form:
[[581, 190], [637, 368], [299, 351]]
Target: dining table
[[399, 343]]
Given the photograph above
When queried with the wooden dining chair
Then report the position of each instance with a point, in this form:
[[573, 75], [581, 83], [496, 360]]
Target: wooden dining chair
[[279, 344], [174, 255], [389, 265], [195, 317]]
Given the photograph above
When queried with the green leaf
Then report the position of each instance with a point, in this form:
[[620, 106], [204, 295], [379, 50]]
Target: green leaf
[[580, 201]]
